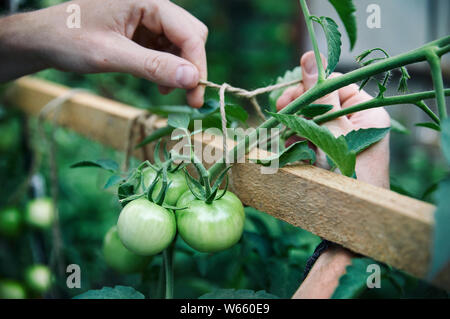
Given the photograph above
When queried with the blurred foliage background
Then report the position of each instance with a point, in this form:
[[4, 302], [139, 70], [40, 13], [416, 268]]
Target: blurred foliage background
[[250, 43]]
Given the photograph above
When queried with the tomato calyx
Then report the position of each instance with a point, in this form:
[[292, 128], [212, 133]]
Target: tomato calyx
[[203, 188]]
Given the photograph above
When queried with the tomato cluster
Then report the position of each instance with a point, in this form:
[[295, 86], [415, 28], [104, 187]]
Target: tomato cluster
[[145, 228]]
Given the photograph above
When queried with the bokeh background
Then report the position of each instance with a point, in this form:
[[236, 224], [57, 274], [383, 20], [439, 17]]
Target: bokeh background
[[250, 44]]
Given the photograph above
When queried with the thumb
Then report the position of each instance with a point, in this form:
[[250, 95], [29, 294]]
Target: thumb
[[340, 125], [309, 69], [309, 78], [163, 68]]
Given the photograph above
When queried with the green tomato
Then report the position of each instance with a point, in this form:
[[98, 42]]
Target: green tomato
[[146, 228], [210, 227], [10, 222], [38, 278], [40, 213], [177, 187], [120, 258], [11, 289]]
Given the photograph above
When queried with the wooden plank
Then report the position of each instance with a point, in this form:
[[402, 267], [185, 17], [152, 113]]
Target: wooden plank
[[369, 220]]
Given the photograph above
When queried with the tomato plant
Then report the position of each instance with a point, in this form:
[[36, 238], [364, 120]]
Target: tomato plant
[[210, 227], [120, 258], [40, 213], [221, 245]]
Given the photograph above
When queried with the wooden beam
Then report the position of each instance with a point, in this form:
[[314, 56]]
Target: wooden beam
[[369, 220]]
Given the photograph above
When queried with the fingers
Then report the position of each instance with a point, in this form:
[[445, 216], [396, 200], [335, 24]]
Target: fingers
[[162, 68], [188, 34], [351, 94], [289, 95], [340, 125], [309, 78]]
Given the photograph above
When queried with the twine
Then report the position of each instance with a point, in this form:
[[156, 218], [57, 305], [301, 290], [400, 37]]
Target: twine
[[250, 95]]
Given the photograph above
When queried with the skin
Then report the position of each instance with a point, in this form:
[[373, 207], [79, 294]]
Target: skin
[[372, 166], [152, 39]]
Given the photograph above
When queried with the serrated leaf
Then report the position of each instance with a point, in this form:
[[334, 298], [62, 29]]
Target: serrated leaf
[[113, 180], [333, 37], [313, 110], [445, 138], [354, 282], [118, 292], [346, 11], [178, 120], [238, 294], [298, 151], [336, 148], [430, 125], [398, 127], [361, 139], [105, 164], [441, 235], [290, 75]]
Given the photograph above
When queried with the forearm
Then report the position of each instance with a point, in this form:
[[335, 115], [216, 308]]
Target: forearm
[[323, 278], [20, 53]]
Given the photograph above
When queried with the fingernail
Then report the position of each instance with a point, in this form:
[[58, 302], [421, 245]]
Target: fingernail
[[311, 67], [186, 76]]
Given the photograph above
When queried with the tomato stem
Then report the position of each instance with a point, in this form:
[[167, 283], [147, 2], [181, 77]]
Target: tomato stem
[[312, 35], [168, 254], [436, 73], [332, 84]]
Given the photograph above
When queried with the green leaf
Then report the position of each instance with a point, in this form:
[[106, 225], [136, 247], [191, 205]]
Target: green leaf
[[441, 236], [313, 110], [284, 278], [445, 138], [333, 37], [336, 148], [354, 282], [346, 11], [113, 180], [398, 127], [106, 164], [236, 112], [238, 294], [178, 120], [361, 139], [118, 292], [298, 151], [155, 135], [430, 125], [290, 75]]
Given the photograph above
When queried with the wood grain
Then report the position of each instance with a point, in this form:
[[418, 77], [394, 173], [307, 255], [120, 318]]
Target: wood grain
[[369, 220]]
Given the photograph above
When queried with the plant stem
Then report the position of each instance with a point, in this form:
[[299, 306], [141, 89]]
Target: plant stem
[[413, 98], [312, 35], [333, 84], [436, 73], [168, 269]]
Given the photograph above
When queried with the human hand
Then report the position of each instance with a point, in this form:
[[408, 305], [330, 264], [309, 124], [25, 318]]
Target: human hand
[[152, 39], [372, 165]]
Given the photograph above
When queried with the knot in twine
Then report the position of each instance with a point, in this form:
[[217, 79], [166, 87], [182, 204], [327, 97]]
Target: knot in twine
[[250, 95]]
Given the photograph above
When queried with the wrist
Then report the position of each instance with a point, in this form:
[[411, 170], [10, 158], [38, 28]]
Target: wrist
[[21, 45]]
